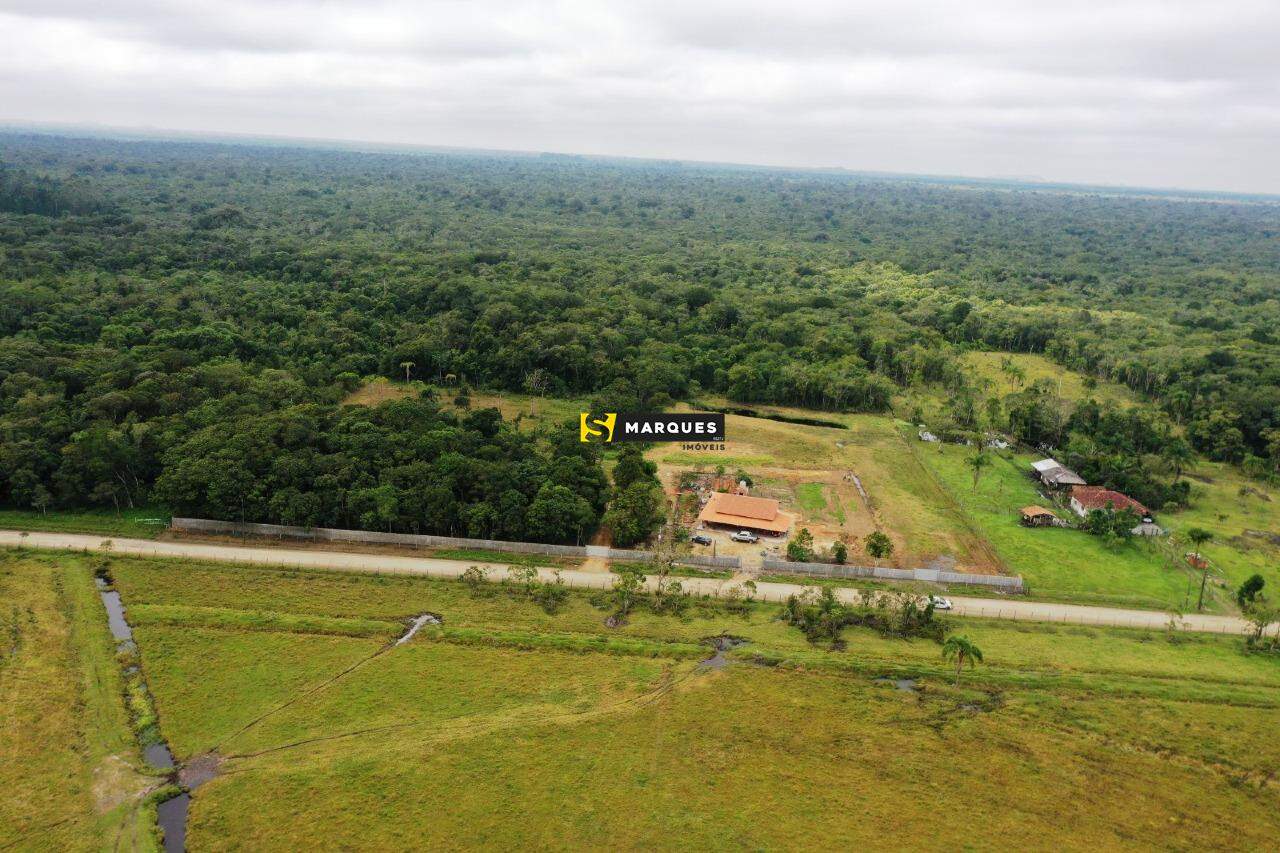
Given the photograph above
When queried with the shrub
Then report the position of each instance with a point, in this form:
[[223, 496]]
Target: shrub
[[627, 588], [800, 548], [550, 595], [878, 545], [476, 579], [824, 617], [1249, 590]]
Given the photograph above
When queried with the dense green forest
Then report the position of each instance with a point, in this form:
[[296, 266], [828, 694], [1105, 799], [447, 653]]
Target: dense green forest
[[180, 321]]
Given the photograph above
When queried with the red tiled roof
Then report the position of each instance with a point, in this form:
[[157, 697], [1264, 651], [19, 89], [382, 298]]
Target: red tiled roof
[[1096, 497]]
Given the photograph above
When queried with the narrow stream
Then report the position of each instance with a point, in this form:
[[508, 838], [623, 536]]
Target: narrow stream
[[172, 813]]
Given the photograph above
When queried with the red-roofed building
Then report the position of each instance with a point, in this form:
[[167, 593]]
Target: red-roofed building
[[743, 512], [1085, 499]]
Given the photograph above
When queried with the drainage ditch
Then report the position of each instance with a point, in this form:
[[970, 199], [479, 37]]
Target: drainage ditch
[[171, 814]]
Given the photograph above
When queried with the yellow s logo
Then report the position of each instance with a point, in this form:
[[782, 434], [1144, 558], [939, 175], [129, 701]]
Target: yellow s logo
[[606, 424]]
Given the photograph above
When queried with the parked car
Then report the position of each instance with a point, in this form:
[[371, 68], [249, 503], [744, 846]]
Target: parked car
[[940, 603], [700, 539], [745, 536]]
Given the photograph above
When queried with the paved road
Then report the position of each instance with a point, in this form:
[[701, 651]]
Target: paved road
[[995, 608]]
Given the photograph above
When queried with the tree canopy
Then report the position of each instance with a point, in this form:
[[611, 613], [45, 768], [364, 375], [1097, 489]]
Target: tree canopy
[[165, 305]]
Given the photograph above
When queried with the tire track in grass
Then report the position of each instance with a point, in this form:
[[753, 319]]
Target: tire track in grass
[[958, 512], [313, 690], [391, 645], [449, 731]]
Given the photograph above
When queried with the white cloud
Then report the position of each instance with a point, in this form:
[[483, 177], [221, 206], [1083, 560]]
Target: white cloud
[[1165, 93]]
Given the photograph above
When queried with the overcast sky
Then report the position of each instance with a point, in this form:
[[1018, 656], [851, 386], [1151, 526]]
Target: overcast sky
[[1181, 94]]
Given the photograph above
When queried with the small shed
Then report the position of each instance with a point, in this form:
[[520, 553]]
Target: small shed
[[1038, 516], [1054, 474]]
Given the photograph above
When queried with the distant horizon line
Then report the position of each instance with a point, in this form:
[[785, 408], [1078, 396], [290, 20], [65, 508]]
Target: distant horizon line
[[158, 134]]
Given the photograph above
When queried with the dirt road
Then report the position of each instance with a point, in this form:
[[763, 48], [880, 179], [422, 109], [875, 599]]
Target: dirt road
[[1002, 608]]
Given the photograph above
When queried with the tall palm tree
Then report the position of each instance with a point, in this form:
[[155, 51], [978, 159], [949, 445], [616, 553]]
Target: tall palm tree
[[962, 651], [1177, 454], [977, 462], [406, 366], [1199, 536]]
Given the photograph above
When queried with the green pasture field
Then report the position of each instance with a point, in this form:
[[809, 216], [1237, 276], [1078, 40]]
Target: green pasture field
[[70, 765], [144, 523], [1056, 563], [1244, 516], [508, 725]]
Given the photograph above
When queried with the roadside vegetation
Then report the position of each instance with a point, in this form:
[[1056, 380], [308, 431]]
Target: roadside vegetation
[[145, 523], [667, 715], [507, 693]]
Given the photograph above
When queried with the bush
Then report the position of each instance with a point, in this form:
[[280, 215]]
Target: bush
[[1249, 590], [476, 579], [628, 586], [878, 545], [824, 616], [669, 598], [550, 595], [525, 582], [800, 548]]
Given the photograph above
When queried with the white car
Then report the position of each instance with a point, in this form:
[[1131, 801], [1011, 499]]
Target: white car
[[939, 603], [745, 536]]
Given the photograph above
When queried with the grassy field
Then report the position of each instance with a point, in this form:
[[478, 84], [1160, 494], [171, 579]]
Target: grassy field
[[145, 523], [509, 726], [1057, 563], [1243, 515], [528, 410], [1067, 384], [987, 375], [70, 766]]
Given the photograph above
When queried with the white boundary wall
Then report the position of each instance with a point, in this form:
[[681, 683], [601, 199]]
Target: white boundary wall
[[831, 570], [413, 540]]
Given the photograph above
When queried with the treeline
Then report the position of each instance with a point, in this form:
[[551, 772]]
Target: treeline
[[403, 466], [1219, 379], [200, 287]]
